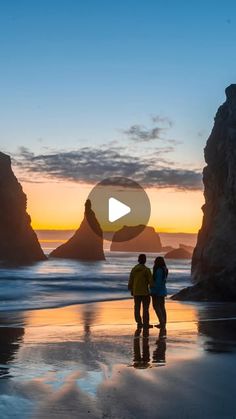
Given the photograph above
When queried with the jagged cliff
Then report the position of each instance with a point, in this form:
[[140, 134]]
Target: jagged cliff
[[214, 257], [86, 243], [18, 242], [145, 240]]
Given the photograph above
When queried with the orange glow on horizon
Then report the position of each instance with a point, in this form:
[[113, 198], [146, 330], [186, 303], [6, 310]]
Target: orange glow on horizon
[[176, 211], [60, 206]]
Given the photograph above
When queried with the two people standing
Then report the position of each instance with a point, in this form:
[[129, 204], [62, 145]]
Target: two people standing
[[145, 285]]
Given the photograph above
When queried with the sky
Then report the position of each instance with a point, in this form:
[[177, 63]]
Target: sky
[[91, 89]]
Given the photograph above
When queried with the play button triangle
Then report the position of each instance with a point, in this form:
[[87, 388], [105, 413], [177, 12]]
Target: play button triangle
[[117, 210]]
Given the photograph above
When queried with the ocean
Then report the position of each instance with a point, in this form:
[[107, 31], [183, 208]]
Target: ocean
[[57, 283]]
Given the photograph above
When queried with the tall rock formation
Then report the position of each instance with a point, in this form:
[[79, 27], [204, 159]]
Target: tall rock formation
[[18, 242], [214, 257], [146, 240], [86, 243]]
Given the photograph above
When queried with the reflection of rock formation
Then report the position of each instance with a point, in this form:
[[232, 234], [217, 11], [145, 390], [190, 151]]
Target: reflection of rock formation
[[10, 340], [146, 240], [89, 314], [87, 242], [179, 253], [214, 261], [219, 334], [89, 351], [18, 241]]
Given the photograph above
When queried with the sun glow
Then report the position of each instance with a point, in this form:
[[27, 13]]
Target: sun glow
[[176, 211], [60, 206]]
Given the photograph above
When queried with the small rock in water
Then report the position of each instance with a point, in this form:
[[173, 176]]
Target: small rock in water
[[145, 241], [178, 254]]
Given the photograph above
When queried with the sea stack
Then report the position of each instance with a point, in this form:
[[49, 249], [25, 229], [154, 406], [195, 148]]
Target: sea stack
[[179, 253], [214, 257], [146, 239], [86, 243], [18, 242]]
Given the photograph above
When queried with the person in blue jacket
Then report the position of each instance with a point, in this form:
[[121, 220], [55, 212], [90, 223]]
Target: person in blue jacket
[[159, 292]]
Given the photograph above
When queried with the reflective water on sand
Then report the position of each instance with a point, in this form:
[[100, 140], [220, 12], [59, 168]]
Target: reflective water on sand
[[65, 362]]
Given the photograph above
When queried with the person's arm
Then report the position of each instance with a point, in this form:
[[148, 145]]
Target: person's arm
[[150, 278], [131, 282], [164, 275]]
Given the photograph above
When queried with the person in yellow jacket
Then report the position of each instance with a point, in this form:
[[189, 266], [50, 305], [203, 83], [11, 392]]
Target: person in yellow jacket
[[139, 282]]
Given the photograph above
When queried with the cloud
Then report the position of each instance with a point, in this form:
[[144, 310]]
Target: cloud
[[174, 178], [91, 165], [140, 133], [156, 119]]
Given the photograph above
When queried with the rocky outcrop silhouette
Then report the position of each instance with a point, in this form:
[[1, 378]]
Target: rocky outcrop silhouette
[[18, 242], [189, 249], [179, 253], [146, 240], [167, 248], [214, 257], [86, 243]]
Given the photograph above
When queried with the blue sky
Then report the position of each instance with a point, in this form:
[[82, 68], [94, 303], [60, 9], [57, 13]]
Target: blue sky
[[78, 73]]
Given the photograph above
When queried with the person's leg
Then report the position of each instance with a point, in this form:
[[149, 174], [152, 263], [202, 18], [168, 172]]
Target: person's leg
[[137, 306], [146, 304], [158, 309], [163, 310], [161, 301], [154, 303], [161, 304]]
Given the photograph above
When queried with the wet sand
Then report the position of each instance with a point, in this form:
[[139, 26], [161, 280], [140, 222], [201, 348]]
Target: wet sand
[[85, 362]]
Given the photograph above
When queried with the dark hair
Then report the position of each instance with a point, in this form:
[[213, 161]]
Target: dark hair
[[142, 258], [160, 263]]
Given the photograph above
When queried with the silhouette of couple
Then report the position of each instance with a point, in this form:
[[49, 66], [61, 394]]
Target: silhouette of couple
[[145, 285]]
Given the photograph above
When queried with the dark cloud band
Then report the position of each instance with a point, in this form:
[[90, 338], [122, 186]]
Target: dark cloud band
[[91, 165]]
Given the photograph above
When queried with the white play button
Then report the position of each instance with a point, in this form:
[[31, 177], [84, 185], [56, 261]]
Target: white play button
[[117, 210], [117, 202]]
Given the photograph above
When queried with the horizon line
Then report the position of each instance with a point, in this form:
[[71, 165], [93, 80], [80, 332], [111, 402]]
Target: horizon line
[[74, 229]]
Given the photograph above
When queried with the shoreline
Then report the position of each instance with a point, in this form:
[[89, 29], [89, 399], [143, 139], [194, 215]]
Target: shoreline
[[82, 303], [169, 301], [63, 306]]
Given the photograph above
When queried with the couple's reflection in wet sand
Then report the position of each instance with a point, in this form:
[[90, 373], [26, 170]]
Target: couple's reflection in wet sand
[[141, 347]]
